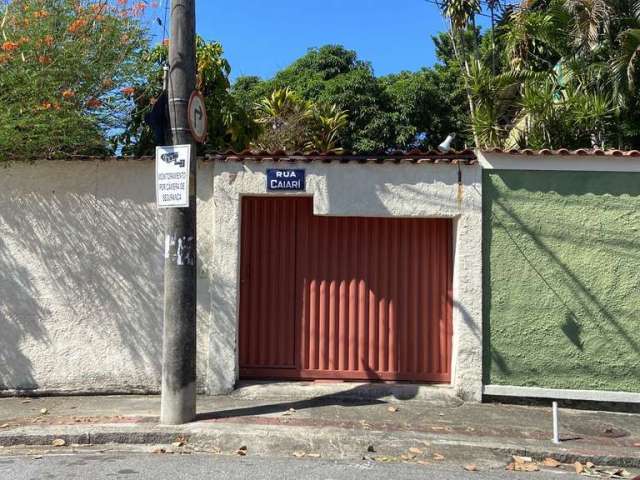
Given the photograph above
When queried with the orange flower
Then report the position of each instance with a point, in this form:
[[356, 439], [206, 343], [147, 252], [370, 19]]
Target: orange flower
[[46, 105], [68, 94], [44, 59], [48, 40], [94, 102], [9, 46], [138, 9], [128, 91], [4, 59], [77, 25], [23, 40], [41, 14]]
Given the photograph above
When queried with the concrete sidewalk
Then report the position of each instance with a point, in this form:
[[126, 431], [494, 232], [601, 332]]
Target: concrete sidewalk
[[333, 424]]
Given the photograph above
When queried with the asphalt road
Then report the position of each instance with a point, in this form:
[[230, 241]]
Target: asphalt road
[[196, 466]]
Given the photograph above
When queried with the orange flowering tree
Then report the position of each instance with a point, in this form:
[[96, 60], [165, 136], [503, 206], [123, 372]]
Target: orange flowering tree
[[67, 70]]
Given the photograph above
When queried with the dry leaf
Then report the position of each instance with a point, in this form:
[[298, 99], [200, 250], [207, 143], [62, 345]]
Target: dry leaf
[[159, 450], [579, 468], [637, 444], [519, 459], [471, 468], [589, 465], [242, 451], [58, 442], [4, 425], [437, 456], [415, 450], [298, 454], [393, 409], [179, 443], [37, 457], [407, 456], [44, 411], [313, 455], [437, 428], [551, 462], [423, 462], [26, 401], [523, 467]]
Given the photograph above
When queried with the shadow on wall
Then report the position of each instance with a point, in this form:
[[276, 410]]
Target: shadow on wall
[[569, 236], [80, 277], [417, 190], [19, 318]]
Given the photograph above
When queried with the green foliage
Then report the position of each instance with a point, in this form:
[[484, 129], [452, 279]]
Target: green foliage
[[293, 124], [563, 75], [403, 111], [66, 67], [229, 123]]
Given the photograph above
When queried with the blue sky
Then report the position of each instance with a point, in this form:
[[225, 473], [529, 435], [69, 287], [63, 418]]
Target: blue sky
[[261, 37]]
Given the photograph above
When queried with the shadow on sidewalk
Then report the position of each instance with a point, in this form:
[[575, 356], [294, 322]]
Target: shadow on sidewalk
[[367, 394]]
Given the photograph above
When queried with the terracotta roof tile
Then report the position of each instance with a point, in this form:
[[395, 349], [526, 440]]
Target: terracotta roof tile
[[467, 157], [413, 156], [564, 151]]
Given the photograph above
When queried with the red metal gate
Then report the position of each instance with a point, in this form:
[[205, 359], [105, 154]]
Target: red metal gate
[[343, 297]]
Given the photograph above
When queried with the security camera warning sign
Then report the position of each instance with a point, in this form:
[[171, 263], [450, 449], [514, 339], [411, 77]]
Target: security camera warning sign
[[172, 176]]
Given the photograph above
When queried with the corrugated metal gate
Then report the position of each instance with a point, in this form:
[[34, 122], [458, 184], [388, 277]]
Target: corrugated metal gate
[[343, 297]]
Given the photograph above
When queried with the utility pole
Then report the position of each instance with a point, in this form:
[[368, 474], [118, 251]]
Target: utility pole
[[178, 403]]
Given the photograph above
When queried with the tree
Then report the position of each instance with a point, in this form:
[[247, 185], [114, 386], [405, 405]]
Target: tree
[[66, 70], [292, 124], [561, 73], [333, 75], [229, 123], [403, 111], [285, 119]]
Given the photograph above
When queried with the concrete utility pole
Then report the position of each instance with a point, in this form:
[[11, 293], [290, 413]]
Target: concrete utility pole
[[179, 332]]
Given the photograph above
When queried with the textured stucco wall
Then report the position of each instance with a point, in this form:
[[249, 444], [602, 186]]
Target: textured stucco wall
[[81, 267], [405, 190], [562, 279]]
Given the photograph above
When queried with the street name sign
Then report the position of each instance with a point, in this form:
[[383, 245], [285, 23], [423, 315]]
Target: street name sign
[[287, 179], [172, 176], [197, 117]]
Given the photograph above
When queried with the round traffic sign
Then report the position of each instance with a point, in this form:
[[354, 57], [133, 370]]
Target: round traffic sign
[[197, 117]]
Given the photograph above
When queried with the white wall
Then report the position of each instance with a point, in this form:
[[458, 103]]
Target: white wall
[[81, 265], [405, 190], [81, 271]]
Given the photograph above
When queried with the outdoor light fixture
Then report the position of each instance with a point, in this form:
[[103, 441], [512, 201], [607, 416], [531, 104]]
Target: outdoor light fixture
[[445, 146]]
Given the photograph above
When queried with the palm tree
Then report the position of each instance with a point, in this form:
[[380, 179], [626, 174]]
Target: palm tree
[[461, 15], [329, 122]]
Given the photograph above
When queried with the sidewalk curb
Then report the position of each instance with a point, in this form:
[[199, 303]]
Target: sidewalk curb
[[330, 442]]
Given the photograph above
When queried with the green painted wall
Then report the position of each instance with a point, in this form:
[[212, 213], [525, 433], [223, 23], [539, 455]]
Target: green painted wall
[[562, 279]]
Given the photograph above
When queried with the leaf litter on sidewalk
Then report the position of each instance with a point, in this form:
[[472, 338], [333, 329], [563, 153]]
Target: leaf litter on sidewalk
[[588, 469]]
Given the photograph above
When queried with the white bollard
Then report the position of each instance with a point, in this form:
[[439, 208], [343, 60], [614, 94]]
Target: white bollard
[[556, 433]]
